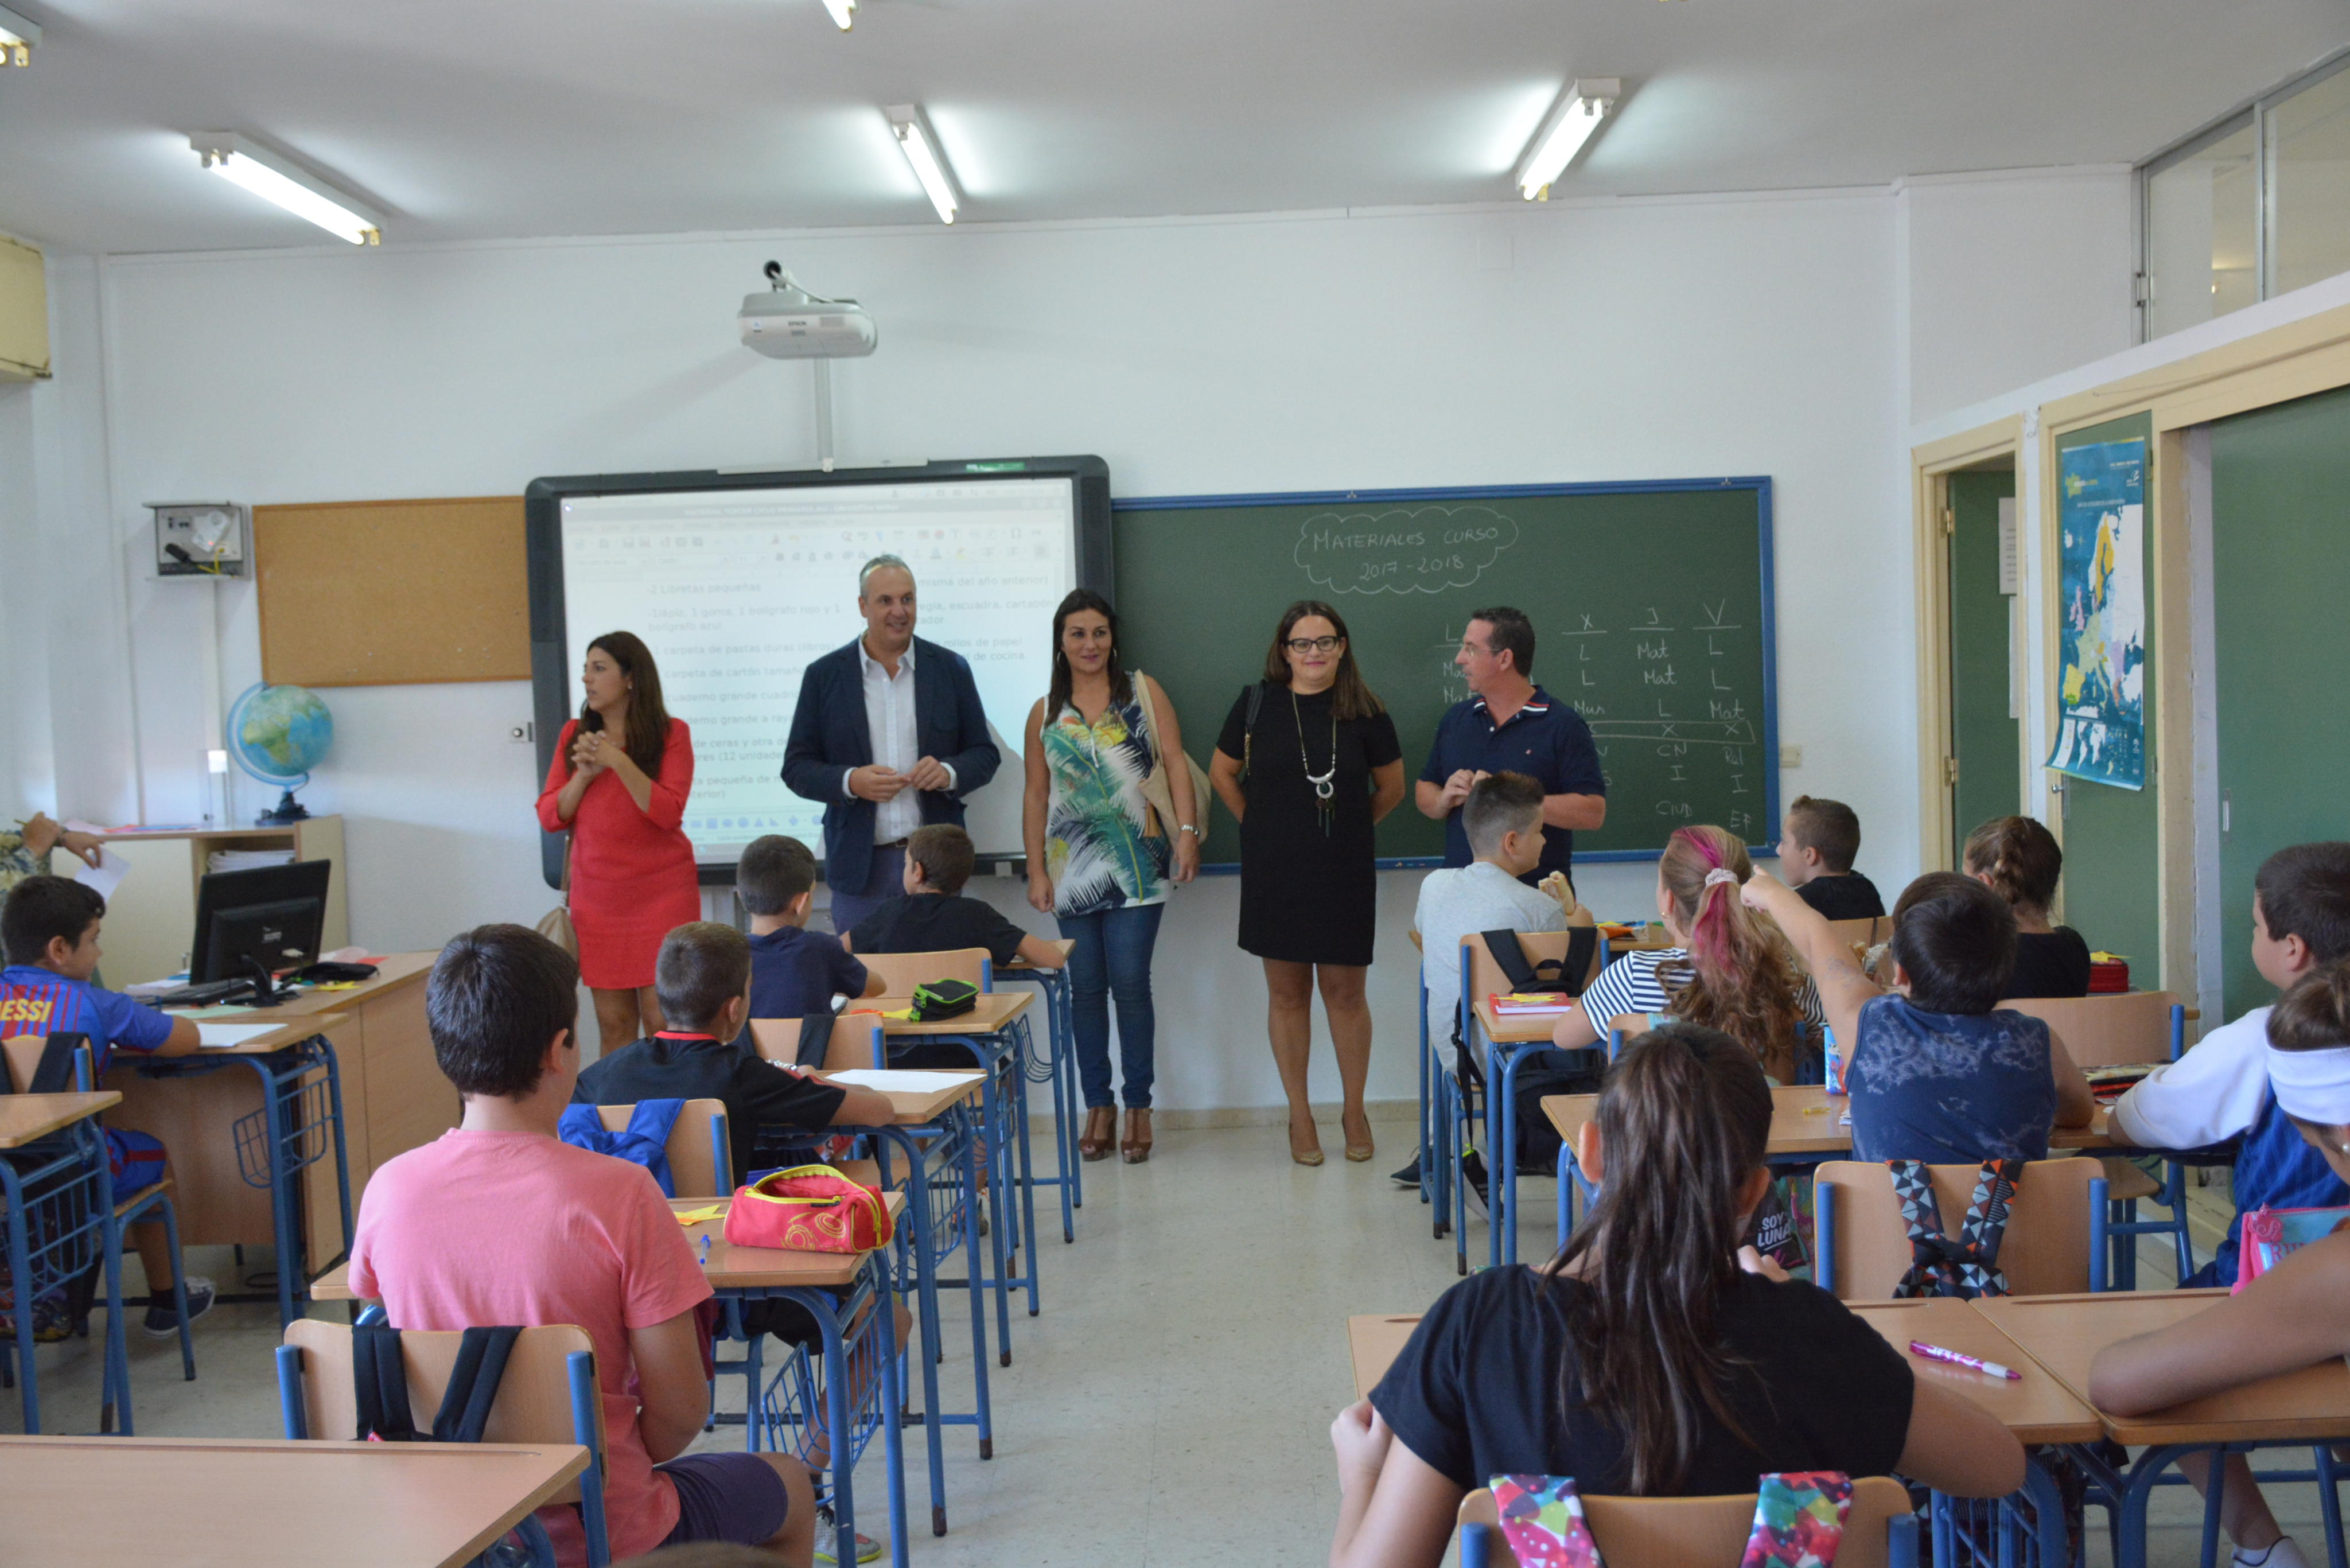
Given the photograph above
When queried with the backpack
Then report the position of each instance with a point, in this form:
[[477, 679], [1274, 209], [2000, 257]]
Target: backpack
[[1549, 1072], [1564, 974], [1967, 1267], [644, 1141]]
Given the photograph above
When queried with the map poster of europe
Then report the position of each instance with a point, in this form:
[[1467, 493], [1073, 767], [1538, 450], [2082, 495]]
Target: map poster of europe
[[2101, 581]]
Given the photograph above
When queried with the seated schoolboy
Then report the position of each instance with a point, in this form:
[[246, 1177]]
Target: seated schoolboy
[[2019, 860], [1816, 850], [702, 977], [935, 917], [2289, 1317], [794, 971], [1689, 1367], [48, 928], [499, 1222], [1935, 1069], [2220, 1089], [1726, 969]]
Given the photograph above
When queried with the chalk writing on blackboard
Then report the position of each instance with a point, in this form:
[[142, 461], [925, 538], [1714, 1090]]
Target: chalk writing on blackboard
[[1402, 549]]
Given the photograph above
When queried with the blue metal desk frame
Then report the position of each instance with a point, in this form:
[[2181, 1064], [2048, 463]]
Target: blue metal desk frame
[[1061, 1069]]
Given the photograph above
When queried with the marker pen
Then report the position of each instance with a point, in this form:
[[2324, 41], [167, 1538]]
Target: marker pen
[[1956, 1358]]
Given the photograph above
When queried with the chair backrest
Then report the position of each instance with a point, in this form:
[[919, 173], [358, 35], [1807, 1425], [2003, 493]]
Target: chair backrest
[[22, 1054], [1486, 977], [856, 1041], [1864, 932], [1703, 1531], [900, 972], [699, 1163], [2045, 1251], [2114, 1031], [534, 1403]]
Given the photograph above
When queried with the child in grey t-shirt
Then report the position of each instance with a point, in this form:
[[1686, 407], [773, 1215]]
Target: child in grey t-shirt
[[1503, 819]]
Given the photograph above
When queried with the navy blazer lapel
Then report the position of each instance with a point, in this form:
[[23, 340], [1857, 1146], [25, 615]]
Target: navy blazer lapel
[[852, 690], [934, 691]]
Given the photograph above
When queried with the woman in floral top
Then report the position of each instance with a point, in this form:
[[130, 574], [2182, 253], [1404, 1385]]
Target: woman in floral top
[[1099, 858]]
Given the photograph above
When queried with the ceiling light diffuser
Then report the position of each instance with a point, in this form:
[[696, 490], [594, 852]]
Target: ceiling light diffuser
[[1569, 126], [843, 12], [274, 179], [18, 38], [921, 146]]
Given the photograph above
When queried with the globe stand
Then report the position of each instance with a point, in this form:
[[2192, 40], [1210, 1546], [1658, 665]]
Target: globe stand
[[285, 814]]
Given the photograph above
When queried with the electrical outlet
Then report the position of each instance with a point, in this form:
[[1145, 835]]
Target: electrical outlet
[[1791, 756], [523, 733]]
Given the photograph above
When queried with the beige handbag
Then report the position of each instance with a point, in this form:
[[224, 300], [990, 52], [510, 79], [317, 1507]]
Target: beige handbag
[[1156, 787], [555, 924]]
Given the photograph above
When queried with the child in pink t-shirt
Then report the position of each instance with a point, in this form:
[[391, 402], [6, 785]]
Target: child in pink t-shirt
[[500, 1222]]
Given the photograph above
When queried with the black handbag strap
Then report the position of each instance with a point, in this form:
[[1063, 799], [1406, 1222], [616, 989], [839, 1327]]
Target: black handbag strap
[[380, 1379]]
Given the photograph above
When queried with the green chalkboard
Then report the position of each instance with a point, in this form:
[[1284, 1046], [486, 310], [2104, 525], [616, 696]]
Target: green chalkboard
[[2113, 890], [2281, 555], [1651, 605]]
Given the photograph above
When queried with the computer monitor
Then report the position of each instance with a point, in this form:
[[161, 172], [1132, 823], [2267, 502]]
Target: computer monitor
[[273, 913]]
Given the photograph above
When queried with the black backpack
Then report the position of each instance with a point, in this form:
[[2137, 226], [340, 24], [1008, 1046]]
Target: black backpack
[[1549, 1072]]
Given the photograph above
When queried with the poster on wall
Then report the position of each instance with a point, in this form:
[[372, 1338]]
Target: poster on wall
[[2101, 581]]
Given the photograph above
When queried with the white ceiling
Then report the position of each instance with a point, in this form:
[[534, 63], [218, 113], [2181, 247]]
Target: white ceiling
[[484, 118]]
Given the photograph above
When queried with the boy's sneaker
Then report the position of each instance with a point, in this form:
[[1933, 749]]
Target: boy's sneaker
[[163, 1321], [1410, 1175], [868, 1549], [1472, 1168]]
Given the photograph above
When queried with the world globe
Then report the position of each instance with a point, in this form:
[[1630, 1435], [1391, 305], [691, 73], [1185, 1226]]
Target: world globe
[[278, 734]]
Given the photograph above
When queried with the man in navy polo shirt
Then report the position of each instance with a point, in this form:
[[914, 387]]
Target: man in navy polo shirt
[[1510, 724]]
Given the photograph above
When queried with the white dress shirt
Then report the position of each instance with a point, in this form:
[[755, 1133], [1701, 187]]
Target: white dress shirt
[[889, 723]]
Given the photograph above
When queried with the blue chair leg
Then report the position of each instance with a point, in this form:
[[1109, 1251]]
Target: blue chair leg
[[586, 1402], [1901, 1540], [1476, 1545], [292, 1412], [1824, 1236], [2099, 1243], [1566, 1192]]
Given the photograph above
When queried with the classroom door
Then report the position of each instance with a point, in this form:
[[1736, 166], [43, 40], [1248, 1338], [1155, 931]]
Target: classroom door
[[1985, 736], [2113, 874], [2280, 567]]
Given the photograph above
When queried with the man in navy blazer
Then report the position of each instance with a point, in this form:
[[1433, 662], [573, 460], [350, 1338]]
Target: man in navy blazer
[[889, 735]]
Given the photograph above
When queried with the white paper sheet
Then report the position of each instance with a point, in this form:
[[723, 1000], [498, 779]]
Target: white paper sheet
[[895, 1082], [221, 1036], [103, 877]]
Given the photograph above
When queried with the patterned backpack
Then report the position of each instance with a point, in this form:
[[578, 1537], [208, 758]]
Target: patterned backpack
[[1966, 1267]]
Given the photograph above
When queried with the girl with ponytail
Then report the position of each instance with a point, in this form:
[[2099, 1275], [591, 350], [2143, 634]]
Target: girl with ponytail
[[1652, 1357], [1729, 968]]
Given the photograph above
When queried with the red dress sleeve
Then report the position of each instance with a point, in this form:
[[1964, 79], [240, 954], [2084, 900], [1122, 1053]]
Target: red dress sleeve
[[666, 804], [558, 773]]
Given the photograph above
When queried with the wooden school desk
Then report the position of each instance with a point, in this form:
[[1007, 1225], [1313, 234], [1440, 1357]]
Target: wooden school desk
[[1807, 1125], [1061, 1067], [28, 1119], [28, 1224], [935, 1133], [2063, 1335], [219, 1504], [995, 1031], [1373, 1342]]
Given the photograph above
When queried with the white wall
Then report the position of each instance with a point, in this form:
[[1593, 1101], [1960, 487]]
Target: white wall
[[2011, 276], [1613, 340]]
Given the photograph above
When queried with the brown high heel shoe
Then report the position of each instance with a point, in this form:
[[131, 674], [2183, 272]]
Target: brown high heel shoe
[[1101, 1132], [1312, 1153], [1360, 1152], [1136, 1146]]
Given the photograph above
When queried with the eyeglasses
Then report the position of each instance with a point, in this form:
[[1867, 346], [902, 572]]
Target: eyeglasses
[[1310, 644]]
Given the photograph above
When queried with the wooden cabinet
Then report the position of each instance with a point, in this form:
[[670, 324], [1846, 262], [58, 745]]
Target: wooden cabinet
[[151, 919]]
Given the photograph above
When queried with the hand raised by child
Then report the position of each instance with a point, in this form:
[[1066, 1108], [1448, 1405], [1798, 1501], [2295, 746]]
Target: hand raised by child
[[1757, 891]]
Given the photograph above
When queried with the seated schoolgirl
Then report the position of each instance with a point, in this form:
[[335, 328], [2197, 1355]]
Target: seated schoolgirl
[[2019, 860], [1937, 1070], [2292, 1316], [1726, 969], [1650, 1358]]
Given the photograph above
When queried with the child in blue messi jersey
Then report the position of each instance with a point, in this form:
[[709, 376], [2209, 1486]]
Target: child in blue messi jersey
[[48, 929]]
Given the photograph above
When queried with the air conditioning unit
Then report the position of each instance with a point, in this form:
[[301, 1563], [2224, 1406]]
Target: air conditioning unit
[[24, 314]]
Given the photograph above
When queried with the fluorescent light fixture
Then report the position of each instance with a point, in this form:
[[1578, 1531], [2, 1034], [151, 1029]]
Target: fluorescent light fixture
[[18, 38], [1571, 123], [843, 12], [921, 145], [274, 179]]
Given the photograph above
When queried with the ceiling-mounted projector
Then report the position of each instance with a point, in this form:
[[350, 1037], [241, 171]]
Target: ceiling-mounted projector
[[787, 322]]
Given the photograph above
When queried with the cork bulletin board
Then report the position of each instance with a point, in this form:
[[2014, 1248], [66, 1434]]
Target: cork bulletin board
[[393, 593]]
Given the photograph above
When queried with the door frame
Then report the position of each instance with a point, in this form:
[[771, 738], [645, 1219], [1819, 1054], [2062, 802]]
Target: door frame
[[1931, 467]]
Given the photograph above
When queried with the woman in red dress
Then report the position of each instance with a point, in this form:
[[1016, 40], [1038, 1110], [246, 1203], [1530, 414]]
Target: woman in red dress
[[622, 771]]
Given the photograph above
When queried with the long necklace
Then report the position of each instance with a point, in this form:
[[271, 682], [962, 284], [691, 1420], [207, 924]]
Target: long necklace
[[1326, 784]]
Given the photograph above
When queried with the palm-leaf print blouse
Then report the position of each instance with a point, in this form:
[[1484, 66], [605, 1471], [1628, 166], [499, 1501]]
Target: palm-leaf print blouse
[[1096, 846]]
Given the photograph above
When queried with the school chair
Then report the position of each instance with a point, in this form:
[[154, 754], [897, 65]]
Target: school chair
[[548, 1395], [700, 1165], [2121, 1030], [2054, 1243], [1879, 1531], [855, 1041], [23, 1054], [900, 972], [1863, 933], [1584, 952]]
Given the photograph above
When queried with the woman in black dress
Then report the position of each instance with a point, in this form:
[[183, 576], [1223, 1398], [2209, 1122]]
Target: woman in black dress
[[1308, 763]]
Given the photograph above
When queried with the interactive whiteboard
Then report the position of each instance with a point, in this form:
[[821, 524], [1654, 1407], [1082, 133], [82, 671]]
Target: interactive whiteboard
[[738, 582]]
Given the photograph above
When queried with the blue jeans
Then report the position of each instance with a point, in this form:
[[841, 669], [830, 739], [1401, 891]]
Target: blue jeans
[[1112, 958]]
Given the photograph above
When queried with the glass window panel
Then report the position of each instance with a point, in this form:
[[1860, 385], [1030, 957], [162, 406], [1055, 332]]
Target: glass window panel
[[2309, 188], [2200, 229]]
